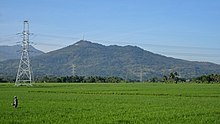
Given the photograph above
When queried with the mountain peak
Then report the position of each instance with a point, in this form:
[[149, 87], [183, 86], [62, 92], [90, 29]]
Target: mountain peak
[[85, 43], [82, 42]]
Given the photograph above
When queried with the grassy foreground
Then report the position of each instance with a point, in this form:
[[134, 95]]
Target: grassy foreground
[[111, 103]]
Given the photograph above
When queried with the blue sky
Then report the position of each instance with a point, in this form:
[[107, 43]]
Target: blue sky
[[185, 29]]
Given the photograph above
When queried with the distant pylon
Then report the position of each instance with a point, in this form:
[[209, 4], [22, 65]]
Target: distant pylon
[[73, 70], [24, 76]]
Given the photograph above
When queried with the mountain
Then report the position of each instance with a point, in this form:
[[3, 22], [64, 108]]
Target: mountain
[[12, 52], [128, 62]]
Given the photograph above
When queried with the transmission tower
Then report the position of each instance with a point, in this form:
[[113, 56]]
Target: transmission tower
[[73, 70], [141, 72], [24, 75]]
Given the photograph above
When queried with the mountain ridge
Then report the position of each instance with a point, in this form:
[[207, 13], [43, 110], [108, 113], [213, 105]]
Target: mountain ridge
[[128, 62], [12, 52]]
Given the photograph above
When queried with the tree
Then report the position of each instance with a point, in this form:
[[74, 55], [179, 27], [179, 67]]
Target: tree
[[174, 76], [2, 80]]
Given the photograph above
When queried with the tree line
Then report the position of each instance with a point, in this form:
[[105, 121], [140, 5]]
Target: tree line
[[175, 78], [171, 78], [79, 79], [212, 78]]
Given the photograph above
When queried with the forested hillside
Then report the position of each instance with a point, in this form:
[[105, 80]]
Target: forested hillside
[[127, 62], [14, 52]]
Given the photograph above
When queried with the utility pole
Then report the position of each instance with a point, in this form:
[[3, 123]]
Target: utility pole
[[24, 75]]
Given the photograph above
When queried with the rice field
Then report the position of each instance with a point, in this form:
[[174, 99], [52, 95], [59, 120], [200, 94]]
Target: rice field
[[111, 103]]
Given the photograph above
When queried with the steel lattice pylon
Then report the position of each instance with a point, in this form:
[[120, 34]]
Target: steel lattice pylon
[[24, 75]]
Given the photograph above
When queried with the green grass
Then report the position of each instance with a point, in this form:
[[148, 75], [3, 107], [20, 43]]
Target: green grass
[[111, 103]]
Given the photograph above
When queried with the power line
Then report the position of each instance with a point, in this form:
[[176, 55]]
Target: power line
[[55, 36], [61, 37], [182, 47], [191, 54], [158, 46]]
